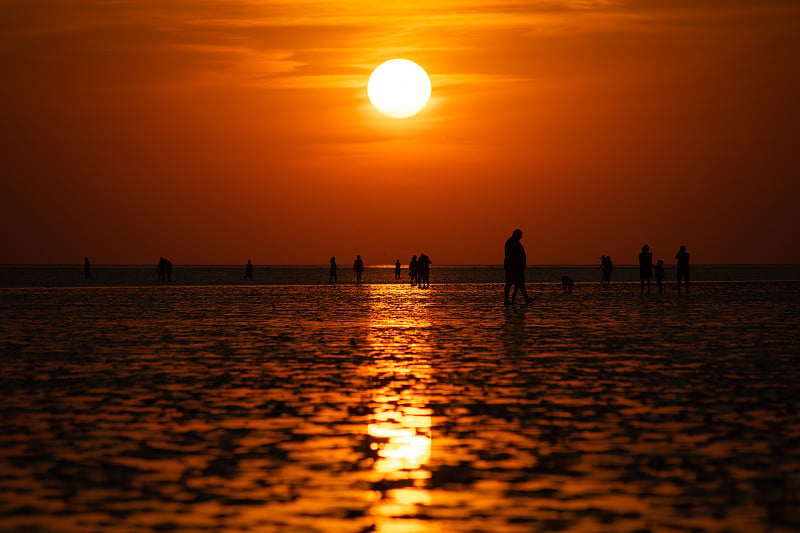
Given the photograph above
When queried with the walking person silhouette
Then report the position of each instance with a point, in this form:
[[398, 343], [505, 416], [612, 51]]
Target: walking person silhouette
[[514, 264]]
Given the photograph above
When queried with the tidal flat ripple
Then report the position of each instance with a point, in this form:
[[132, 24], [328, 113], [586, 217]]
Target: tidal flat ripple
[[392, 409]]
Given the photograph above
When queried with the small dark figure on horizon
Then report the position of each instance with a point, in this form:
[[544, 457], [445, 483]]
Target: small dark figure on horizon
[[168, 269], [161, 269], [397, 267], [683, 267], [567, 283], [607, 267], [358, 267], [333, 275], [412, 270], [514, 263], [659, 274], [645, 267], [87, 268], [424, 272], [248, 270]]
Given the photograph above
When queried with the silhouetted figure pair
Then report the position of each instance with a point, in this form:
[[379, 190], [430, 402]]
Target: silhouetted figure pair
[[397, 268], [412, 270], [87, 268], [683, 267], [645, 267], [358, 267], [423, 271], [514, 264], [607, 267], [248, 270], [333, 277], [164, 269]]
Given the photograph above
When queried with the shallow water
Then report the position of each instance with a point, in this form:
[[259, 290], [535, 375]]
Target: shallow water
[[398, 410]]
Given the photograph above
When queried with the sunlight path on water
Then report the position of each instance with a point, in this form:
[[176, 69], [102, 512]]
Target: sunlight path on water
[[393, 409]]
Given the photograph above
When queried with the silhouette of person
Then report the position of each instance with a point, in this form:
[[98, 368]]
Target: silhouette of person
[[358, 267], [423, 271], [514, 265], [683, 267], [333, 275], [659, 273], [161, 269], [607, 267], [87, 268], [248, 270], [412, 270], [397, 269], [645, 267], [168, 269]]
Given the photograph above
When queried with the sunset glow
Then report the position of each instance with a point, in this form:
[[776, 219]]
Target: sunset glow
[[216, 132]]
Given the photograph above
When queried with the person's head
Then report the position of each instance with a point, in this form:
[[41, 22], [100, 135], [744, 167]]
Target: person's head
[[358, 257], [85, 258], [646, 248], [517, 234], [660, 262], [683, 247], [333, 259]]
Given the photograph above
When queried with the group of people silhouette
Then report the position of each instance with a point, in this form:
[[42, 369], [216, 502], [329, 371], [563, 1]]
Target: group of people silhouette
[[514, 264], [647, 269], [418, 270]]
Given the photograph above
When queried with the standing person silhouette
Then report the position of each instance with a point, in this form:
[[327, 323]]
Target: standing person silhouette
[[645, 267], [659, 272], [333, 275], [683, 267], [162, 268], [87, 268], [358, 267], [514, 264], [397, 269], [412, 270], [248, 270], [607, 266], [424, 271]]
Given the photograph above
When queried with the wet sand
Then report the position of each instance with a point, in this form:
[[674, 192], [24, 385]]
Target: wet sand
[[398, 410]]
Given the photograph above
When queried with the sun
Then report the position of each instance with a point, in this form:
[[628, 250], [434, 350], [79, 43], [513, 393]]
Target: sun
[[399, 88]]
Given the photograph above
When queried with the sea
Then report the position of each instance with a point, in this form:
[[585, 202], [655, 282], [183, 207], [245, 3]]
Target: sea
[[289, 404]]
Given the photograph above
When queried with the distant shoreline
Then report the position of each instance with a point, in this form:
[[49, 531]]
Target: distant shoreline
[[39, 276]]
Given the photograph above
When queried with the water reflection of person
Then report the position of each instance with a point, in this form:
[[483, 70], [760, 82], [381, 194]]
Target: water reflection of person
[[87, 268], [358, 267], [514, 264], [333, 273], [683, 267], [645, 267]]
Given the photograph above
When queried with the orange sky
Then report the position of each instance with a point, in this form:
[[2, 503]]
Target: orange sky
[[211, 132]]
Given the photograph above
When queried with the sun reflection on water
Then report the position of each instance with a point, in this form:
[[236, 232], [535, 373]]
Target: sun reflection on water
[[401, 420]]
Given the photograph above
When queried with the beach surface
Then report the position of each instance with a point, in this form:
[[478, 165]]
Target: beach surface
[[388, 408]]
